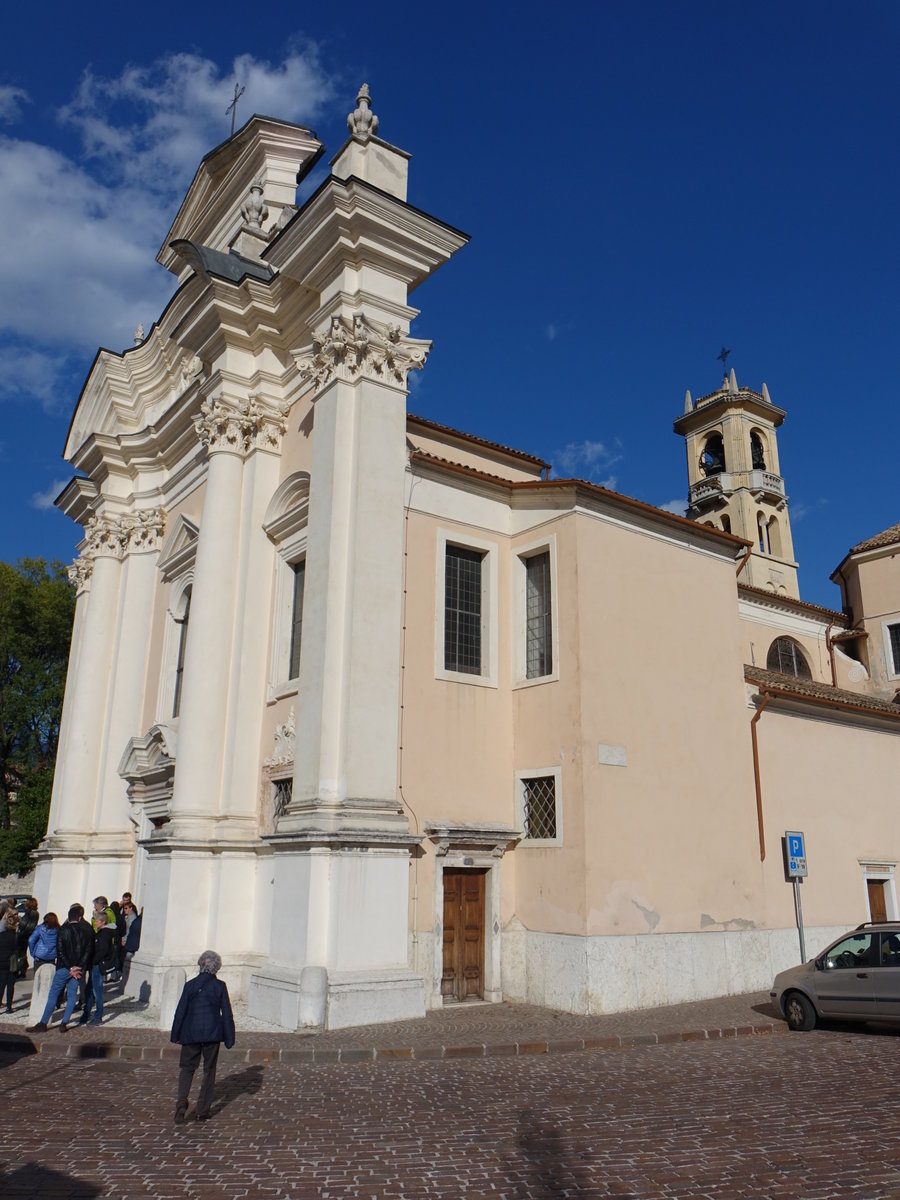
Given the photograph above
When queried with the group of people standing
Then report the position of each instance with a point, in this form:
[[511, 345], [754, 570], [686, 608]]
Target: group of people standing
[[86, 956]]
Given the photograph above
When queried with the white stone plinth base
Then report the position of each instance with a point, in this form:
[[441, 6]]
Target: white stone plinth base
[[173, 985], [618, 974], [312, 997]]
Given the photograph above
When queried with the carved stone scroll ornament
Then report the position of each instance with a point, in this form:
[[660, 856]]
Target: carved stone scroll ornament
[[361, 349], [285, 740], [190, 371], [240, 426]]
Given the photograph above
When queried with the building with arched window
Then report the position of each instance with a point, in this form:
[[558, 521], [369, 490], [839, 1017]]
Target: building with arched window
[[394, 719]]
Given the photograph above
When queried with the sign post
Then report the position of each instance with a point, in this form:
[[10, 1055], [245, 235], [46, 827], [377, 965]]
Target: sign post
[[794, 846]]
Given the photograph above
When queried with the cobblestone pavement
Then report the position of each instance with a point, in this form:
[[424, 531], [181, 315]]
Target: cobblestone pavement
[[809, 1116]]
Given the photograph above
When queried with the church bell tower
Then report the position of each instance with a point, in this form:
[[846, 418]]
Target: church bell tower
[[734, 479]]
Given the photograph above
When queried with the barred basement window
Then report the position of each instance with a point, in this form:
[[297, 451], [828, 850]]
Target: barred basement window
[[786, 657], [462, 610], [538, 617], [282, 791], [539, 807]]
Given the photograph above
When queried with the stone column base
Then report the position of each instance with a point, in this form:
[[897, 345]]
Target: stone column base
[[295, 998]]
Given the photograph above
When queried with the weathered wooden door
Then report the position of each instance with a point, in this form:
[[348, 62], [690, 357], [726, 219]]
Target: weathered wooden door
[[877, 905], [463, 976]]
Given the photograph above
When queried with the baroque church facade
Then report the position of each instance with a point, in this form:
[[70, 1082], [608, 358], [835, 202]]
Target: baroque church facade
[[391, 718]]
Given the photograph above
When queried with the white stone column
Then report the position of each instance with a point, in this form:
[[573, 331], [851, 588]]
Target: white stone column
[[88, 695], [207, 663], [142, 532]]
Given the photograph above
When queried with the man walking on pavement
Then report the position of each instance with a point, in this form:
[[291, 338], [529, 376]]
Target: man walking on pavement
[[74, 952]]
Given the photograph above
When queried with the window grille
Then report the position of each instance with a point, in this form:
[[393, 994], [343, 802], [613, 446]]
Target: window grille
[[786, 657], [462, 610], [894, 632], [282, 791], [539, 804], [299, 570], [538, 617]]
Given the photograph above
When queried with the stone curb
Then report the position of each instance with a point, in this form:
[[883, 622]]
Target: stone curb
[[67, 1047]]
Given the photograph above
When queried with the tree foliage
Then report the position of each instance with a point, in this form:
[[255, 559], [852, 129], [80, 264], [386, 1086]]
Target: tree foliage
[[37, 606]]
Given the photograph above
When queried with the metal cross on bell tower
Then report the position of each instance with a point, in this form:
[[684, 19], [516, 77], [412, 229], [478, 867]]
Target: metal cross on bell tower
[[721, 357]]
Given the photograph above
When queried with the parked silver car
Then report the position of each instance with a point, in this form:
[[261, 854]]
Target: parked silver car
[[856, 978]]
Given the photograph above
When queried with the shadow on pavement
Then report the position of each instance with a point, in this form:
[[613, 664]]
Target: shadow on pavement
[[553, 1173], [14, 1047], [240, 1083], [34, 1182]]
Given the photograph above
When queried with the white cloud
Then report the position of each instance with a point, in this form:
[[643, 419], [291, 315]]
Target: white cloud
[[678, 507], [551, 332], [151, 122], [44, 500], [586, 460], [11, 101], [78, 238], [799, 510], [30, 372]]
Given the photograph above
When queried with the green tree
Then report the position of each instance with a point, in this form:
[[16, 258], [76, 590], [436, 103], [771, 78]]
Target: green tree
[[37, 606]]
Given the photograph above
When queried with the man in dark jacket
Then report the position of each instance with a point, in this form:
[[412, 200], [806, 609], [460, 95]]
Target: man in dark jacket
[[203, 1019], [74, 953]]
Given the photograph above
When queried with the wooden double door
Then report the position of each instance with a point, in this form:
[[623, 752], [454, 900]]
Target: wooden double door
[[463, 974]]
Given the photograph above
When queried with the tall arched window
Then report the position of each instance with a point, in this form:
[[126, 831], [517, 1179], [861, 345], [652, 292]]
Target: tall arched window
[[182, 622], [774, 537], [786, 657], [757, 453], [763, 533]]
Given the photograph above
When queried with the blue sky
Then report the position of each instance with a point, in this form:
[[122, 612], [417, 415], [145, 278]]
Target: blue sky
[[643, 182]]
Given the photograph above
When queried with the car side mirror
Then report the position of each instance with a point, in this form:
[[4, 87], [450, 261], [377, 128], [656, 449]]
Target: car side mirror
[[820, 964]]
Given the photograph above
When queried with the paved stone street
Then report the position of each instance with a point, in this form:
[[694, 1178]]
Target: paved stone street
[[798, 1115]]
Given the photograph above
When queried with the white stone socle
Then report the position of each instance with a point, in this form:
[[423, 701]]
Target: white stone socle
[[173, 985]]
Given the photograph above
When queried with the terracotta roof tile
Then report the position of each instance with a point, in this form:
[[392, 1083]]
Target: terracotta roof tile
[[808, 689], [478, 441], [886, 538], [790, 602]]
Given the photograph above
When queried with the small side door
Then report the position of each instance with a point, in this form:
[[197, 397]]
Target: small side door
[[887, 977], [846, 985]]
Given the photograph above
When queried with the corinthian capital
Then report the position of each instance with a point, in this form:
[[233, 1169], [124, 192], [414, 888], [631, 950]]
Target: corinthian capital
[[105, 536], [361, 349], [239, 426], [143, 529], [80, 572]]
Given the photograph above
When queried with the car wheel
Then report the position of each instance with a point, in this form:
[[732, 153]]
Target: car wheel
[[799, 1012]]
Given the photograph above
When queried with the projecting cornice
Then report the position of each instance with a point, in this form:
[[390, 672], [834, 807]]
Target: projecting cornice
[[349, 221]]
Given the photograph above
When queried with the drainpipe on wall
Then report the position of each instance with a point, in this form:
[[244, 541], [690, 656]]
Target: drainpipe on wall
[[759, 810], [744, 561]]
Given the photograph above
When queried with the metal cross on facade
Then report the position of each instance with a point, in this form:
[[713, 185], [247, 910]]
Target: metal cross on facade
[[232, 107], [723, 357]]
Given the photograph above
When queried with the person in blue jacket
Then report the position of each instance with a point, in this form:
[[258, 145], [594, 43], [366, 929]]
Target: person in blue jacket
[[203, 1020]]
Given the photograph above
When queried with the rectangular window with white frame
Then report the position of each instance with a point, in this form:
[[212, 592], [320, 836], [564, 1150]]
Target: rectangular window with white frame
[[538, 806], [466, 611], [892, 649], [290, 580], [535, 617]]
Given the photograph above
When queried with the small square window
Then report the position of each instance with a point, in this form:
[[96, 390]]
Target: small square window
[[538, 810]]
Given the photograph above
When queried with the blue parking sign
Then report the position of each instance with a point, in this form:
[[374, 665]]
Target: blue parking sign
[[795, 844]]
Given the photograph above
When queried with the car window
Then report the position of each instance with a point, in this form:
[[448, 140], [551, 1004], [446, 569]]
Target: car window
[[890, 950], [853, 951]]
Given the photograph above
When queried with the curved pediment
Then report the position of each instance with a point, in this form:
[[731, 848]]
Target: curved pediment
[[289, 507]]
